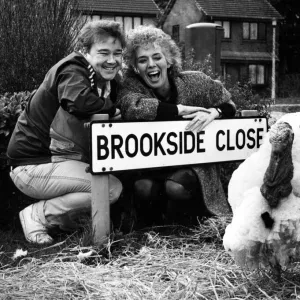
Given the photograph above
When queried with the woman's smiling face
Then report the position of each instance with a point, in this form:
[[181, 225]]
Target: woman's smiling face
[[152, 66]]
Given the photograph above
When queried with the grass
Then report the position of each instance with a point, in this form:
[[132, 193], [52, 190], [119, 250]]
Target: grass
[[168, 262]]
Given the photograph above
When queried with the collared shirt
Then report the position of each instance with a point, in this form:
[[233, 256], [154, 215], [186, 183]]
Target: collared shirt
[[106, 91]]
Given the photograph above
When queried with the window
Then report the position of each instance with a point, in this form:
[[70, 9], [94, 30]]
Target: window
[[231, 71], [257, 74], [137, 21], [127, 25], [226, 26], [254, 31], [175, 33]]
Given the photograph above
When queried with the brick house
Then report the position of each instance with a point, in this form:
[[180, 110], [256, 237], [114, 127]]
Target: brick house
[[130, 13], [248, 47]]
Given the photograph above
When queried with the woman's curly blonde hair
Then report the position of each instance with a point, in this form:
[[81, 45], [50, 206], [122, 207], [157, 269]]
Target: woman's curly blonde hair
[[149, 35]]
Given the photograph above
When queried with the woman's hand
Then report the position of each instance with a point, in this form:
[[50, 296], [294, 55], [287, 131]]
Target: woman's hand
[[201, 119], [185, 110]]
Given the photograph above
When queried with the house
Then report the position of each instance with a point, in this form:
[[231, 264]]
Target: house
[[130, 13], [249, 43]]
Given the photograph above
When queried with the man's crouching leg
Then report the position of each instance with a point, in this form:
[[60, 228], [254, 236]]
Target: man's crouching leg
[[63, 211]]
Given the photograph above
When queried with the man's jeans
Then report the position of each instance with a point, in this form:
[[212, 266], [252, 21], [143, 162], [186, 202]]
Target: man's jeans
[[66, 187]]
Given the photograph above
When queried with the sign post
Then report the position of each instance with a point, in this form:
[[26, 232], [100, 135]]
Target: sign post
[[121, 146], [100, 201]]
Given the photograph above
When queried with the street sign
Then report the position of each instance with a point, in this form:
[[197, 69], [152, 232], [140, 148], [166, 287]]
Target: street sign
[[119, 146]]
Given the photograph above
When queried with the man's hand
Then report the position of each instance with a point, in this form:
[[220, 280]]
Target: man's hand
[[117, 115]]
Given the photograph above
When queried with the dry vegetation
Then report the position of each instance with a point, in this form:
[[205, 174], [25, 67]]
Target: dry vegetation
[[158, 263]]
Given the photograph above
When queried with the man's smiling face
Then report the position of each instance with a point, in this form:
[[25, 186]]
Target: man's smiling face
[[106, 58]]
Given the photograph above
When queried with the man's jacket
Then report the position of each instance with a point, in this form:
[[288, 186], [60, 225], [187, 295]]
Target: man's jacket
[[51, 128]]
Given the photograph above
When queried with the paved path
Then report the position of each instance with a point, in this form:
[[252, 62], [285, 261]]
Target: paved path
[[277, 110], [285, 107]]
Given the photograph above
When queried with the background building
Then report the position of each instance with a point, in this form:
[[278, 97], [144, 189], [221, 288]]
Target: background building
[[130, 13], [247, 47]]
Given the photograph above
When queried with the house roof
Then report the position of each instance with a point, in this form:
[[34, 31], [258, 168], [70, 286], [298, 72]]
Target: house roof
[[254, 9], [235, 9], [145, 7]]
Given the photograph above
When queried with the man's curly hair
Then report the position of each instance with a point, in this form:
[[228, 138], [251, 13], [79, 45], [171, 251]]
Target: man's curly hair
[[149, 35]]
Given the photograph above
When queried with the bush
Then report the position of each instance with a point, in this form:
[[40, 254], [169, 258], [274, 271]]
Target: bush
[[12, 200], [11, 106], [34, 35], [244, 98], [191, 64], [241, 92], [289, 86]]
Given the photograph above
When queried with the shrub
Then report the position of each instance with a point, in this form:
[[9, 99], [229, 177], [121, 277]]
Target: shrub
[[34, 35], [289, 85], [241, 92], [244, 98], [190, 63], [11, 106]]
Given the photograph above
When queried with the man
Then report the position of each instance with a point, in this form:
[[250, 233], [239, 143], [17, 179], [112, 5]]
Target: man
[[49, 148]]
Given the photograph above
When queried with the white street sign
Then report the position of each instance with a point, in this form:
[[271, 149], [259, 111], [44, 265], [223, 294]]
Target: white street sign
[[118, 146]]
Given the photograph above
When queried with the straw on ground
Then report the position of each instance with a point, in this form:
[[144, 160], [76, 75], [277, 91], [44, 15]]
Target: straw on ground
[[186, 264]]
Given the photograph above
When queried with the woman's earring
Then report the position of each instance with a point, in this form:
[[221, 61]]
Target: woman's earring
[[136, 70]]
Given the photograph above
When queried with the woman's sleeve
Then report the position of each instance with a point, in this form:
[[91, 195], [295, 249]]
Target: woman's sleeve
[[226, 106], [78, 97], [219, 97], [135, 104]]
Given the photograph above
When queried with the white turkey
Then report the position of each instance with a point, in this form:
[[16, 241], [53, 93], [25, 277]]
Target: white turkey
[[264, 194]]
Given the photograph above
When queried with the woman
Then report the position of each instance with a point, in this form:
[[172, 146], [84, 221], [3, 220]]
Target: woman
[[154, 88]]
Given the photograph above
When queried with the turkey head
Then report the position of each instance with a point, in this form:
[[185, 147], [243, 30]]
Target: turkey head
[[278, 176]]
